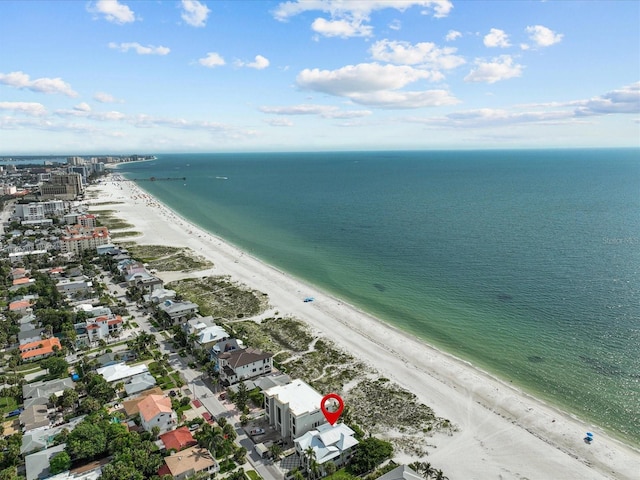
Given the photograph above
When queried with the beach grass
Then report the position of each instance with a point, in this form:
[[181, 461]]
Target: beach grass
[[220, 297], [125, 233]]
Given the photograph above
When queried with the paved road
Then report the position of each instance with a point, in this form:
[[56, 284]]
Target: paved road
[[204, 391]]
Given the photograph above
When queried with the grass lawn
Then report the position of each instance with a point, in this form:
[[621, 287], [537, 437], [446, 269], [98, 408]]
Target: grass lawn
[[7, 404], [253, 475]]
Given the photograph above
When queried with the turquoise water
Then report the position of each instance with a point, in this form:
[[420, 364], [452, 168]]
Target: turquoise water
[[525, 263]]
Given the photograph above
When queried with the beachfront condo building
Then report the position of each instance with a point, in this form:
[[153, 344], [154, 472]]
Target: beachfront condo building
[[293, 409]]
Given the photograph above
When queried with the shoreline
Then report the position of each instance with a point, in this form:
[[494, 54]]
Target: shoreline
[[504, 432]]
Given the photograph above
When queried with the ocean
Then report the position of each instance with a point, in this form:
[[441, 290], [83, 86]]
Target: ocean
[[525, 263]]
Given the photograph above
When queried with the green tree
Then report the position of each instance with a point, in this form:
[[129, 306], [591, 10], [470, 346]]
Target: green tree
[[120, 471], [87, 440], [370, 453], [60, 462], [330, 468], [241, 397], [275, 451], [56, 366]]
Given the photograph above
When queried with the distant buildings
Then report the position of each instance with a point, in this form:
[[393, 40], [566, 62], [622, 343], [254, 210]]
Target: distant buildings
[[62, 187], [77, 239]]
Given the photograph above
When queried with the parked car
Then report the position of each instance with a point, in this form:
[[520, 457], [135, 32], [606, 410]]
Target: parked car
[[208, 417], [194, 427], [256, 431]]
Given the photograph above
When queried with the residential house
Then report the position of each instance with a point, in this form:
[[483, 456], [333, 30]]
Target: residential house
[[120, 372], [37, 464], [17, 256], [111, 358], [103, 327], [139, 383], [159, 295], [402, 472], [194, 325], [187, 463], [23, 282], [73, 286], [130, 406], [224, 346], [38, 393], [35, 416], [39, 349], [143, 280], [293, 409], [178, 439], [40, 439], [210, 336], [178, 312], [155, 410], [17, 273], [329, 443], [20, 306], [238, 365], [30, 335]]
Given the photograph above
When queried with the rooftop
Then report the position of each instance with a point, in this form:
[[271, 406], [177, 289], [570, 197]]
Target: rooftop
[[153, 405], [113, 373], [194, 458], [178, 439], [40, 347], [300, 397]]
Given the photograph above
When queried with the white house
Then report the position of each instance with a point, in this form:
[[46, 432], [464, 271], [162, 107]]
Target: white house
[[329, 444], [293, 409], [156, 411], [121, 372], [239, 365], [178, 312]]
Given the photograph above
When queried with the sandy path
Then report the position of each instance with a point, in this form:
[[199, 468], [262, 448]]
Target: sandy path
[[503, 432]]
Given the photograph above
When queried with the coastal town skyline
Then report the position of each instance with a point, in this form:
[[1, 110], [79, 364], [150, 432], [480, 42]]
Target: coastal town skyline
[[121, 76]]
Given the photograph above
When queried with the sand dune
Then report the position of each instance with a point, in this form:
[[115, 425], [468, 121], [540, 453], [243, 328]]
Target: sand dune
[[504, 433]]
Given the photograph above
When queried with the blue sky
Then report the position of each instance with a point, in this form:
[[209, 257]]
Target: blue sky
[[123, 76]]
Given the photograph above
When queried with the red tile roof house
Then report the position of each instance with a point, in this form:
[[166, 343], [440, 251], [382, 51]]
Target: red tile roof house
[[20, 306], [155, 410], [178, 439], [39, 349]]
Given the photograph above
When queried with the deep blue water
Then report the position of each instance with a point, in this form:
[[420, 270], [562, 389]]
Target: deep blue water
[[525, 263]]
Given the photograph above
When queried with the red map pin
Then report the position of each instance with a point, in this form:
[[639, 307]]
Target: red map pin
[[332, 407]]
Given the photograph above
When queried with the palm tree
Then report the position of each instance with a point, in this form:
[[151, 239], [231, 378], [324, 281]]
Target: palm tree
[[312, 466]]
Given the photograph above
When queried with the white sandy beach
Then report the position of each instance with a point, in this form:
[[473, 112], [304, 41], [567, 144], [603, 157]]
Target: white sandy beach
[[503, 434]]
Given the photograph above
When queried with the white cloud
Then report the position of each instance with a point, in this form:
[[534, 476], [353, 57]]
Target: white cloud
[[524, 46], [425, 53], [324, 111], [33, 109], [341, 28], [441, 8], [212, 60], [376, 85], [496, 38], [500, 68], [83, 107], [140, 49], [395, 25], [279, 122], [260, 63], [404, 100], [364, 77], [623, 100], [113, 11], [195, 13], [543, 36], [103, 97], [349, 18], [452, 35], [42, 85]]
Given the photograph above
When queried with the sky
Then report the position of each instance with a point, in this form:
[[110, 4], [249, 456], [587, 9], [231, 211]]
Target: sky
[[131, 76]]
